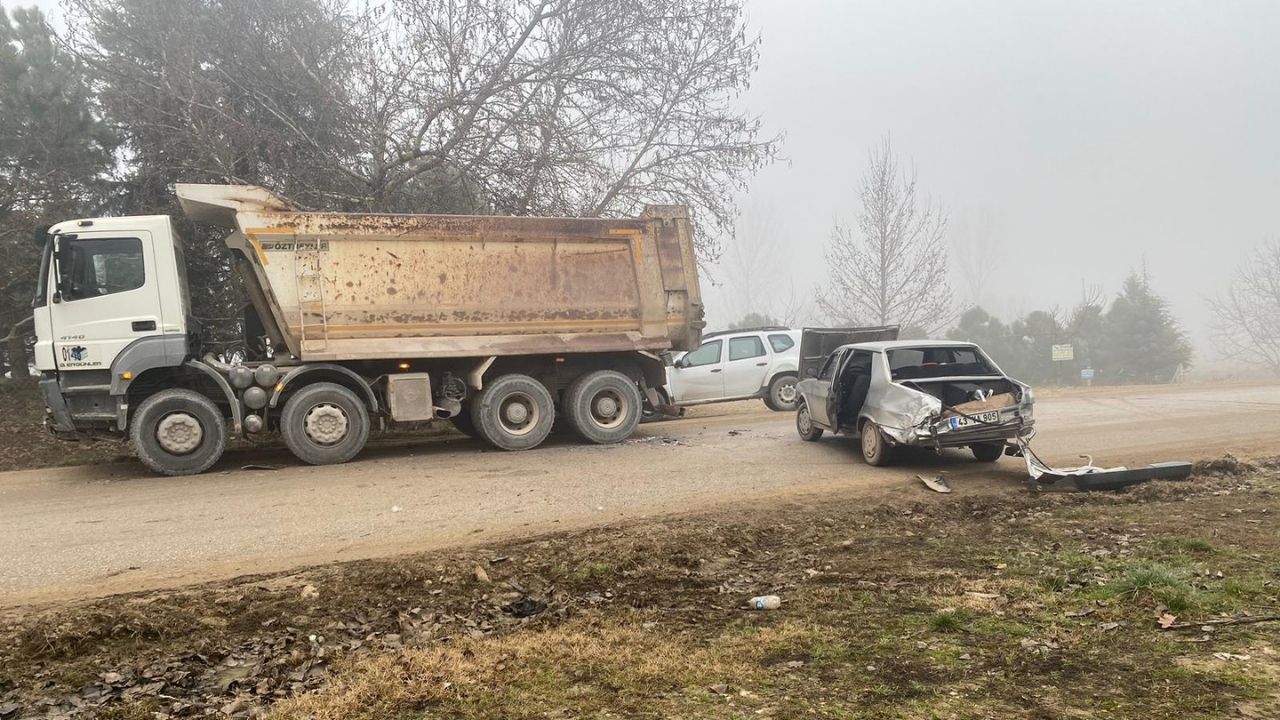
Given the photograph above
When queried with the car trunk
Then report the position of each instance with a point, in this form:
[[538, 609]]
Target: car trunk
[[970, 395], [817, 343]]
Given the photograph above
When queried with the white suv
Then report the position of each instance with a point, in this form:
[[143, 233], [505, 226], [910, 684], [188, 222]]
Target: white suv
[[737, 365]]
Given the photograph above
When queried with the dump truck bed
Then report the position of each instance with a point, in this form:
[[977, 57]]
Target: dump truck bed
[[334, 286]]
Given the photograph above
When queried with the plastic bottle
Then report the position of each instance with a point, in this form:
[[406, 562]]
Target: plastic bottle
[[765, 602]]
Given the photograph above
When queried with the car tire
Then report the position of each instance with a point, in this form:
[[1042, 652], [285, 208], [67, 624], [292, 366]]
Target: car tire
[[513, 412], [782, 395], [178, 432], [804, 423], [603, 406], [987, 452], [875, 447], [324, 424]]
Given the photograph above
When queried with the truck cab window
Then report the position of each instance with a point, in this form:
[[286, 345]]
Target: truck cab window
[[93, 268]]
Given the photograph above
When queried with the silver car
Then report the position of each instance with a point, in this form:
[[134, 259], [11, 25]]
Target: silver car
[[931, 393]]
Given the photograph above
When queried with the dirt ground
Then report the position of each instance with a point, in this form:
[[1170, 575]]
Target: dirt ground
[[994, 603], [112, 527]]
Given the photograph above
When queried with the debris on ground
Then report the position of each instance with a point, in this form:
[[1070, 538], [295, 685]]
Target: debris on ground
[[936, 483], [1088, 476], [765, 602]]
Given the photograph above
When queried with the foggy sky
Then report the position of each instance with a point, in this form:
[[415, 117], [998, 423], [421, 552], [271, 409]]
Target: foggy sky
[[1101, 134], [1098, 135]]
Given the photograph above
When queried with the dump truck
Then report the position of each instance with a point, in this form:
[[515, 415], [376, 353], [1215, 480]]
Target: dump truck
[[358, 323]]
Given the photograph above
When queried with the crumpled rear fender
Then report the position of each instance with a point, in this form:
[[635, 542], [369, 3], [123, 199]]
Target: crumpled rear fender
[[900, 410]]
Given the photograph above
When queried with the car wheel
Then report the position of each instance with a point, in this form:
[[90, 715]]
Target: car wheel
[[514, 412], [987, 452], [875, 448], [804, 423], [782, 393], [324, 424], [603, 406], [178, 432]]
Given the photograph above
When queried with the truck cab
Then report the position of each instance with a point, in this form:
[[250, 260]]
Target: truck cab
[[112, 299]]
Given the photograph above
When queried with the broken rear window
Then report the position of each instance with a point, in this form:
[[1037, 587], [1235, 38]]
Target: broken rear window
[[935, 362]]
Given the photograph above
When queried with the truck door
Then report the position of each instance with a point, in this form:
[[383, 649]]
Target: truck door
[[699, 375], [103, 296], [748, 364]]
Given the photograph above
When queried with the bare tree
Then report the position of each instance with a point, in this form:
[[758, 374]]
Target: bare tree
[[891, 269], [978, 246], [1248, 313], [753, 262], [552, 107]]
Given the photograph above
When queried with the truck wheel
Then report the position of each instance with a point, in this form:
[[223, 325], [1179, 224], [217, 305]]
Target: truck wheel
[[178, 432], [987, 452], [324, 424], [782, 393], [875, 448], [804, 423], [514, 412], [603, 406], [462, 422]]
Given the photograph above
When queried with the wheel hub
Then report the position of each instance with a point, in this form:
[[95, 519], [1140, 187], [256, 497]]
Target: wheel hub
[[608, 409], [326, 424], [179, 433], [804, 420], [518, 414], [787, 392]]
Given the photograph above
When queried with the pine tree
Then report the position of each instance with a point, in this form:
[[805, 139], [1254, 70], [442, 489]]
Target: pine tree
[[1142, 342], [55, 154]]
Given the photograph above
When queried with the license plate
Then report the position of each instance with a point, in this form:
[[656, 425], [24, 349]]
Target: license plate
[[985, 418]]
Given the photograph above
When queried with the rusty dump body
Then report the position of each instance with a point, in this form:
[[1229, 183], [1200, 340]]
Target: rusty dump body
[[334, 287]]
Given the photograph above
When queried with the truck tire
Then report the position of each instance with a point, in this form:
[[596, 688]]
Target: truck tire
[[987, 452], [324, 424], [804, 423], [782, 395], [462, 422], [178, 432], [875, 447], [513, 412], [603, 406]]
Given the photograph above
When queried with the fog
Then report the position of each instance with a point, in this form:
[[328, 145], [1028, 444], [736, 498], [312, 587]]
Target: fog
[[1093, 137], [1089, 138]]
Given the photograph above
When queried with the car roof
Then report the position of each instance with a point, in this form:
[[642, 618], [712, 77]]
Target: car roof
[[767, 330], [884, 345]]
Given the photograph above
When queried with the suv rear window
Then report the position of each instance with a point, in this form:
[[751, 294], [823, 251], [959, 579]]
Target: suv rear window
[[781, 343], [935, 362]]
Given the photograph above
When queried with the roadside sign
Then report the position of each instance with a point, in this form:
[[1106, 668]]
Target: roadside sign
[[1063, 353], [1086, 373]]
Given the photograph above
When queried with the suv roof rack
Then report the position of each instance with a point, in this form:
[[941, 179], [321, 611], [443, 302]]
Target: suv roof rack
[[762, 328]]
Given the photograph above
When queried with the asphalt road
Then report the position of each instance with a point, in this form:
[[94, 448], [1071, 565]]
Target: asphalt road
[[88, 531]]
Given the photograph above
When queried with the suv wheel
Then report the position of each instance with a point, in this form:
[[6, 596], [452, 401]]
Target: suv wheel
[[782, 393]]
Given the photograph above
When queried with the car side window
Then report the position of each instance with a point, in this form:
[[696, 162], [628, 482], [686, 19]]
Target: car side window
[[707, 354], [742, 348], [829, 370], [781, 343]]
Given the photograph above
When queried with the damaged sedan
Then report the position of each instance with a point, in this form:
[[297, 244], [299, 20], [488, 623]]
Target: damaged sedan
[[929, 394]]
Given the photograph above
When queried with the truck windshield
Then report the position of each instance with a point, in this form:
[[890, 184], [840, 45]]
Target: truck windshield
[[935, 362]]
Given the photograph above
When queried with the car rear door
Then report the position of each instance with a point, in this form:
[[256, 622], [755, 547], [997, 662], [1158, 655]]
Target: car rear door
[[747, 366]]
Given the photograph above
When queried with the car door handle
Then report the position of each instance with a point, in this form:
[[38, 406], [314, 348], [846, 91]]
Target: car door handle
[[716, 370], [761, 364], [144, 325]]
